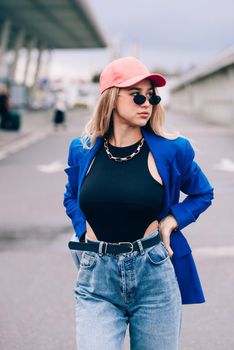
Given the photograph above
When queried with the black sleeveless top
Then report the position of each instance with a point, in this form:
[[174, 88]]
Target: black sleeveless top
[[120, 200]]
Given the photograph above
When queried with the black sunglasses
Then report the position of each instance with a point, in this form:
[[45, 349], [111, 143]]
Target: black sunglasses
[[153, 100]]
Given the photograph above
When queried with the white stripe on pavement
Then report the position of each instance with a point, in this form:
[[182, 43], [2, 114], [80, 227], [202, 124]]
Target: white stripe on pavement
[[51, 168], [225, 164], [215, 252], [21, 144]]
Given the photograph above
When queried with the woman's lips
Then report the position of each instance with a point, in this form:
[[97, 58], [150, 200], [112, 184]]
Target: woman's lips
[[143, 114]]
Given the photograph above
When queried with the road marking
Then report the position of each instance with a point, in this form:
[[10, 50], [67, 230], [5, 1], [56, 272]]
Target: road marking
[[215, 252], [51, 168], [225, 164], [23, 143], [28, 140]]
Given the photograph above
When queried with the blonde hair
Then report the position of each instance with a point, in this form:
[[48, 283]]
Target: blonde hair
[[101, 122]]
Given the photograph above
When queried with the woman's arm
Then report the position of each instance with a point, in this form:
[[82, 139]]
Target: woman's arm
[[199, 192], [166, 226], [70, 196]]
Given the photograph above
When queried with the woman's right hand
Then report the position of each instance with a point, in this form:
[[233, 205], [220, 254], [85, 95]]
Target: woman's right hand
[[89, 232]]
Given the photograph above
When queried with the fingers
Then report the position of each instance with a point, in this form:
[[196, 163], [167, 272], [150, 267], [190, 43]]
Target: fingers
[[89, 232], [170, 251], [166, 241]]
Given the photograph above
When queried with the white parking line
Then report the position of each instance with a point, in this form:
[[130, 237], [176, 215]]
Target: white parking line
[[225, 164], [25, 142], [214, 252], [51, 168]]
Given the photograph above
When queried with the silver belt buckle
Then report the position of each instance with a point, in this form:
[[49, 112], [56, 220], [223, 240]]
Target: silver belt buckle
[[129, 243]]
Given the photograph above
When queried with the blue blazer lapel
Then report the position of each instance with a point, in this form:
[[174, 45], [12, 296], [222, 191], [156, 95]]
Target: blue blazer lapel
[[87, 159]]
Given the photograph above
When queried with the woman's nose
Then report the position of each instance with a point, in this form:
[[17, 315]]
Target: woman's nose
[[146, 103]]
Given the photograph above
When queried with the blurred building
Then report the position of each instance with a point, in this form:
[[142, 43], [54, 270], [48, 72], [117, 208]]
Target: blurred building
[[40, 27], [207, 91]]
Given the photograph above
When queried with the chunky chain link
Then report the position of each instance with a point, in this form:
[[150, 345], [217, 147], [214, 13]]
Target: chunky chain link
[[123, 159]]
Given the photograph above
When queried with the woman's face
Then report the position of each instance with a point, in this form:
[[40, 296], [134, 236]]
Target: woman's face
[[127, 111]]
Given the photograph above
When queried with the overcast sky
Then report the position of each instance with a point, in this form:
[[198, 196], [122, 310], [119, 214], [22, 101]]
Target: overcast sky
[[164, 34]]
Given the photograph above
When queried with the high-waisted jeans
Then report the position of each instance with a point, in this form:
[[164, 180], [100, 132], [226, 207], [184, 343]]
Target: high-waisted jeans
[[138, 288]]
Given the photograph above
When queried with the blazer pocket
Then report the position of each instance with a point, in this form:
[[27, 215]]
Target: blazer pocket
[[179, 244]]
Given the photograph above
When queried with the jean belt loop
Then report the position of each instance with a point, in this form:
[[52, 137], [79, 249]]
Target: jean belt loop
[[140, 247], [100, 253]]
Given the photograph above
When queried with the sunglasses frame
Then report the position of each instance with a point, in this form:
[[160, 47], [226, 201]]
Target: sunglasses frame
[[140, 99]]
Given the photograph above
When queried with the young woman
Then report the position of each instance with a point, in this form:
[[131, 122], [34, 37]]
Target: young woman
[[124, 179]]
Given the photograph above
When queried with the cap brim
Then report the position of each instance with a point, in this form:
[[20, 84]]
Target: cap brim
[[158, 80]]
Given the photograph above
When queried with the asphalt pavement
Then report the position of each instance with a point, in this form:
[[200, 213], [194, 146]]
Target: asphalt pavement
[[37, 273]]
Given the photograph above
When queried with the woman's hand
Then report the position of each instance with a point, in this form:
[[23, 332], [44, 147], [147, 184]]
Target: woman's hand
[[166, 226], [89, 232]]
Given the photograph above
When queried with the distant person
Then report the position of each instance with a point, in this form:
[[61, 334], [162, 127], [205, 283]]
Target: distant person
[[60, 107], [5, 106], [124, 180]]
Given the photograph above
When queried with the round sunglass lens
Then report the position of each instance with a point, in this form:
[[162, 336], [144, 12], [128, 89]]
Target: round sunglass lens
[[139, 99], [154, 100]]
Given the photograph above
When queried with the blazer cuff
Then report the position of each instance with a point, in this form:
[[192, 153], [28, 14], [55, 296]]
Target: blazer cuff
[[183, 216]]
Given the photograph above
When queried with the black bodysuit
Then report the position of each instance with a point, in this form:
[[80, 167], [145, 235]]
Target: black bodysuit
[[120, 200]]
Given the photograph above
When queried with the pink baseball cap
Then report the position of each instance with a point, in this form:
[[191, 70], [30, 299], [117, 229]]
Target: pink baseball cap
[[125, 72]]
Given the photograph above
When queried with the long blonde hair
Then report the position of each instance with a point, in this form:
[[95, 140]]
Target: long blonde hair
[[101, 122]]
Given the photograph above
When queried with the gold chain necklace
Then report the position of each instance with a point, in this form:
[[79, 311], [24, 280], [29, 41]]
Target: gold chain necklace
[[119, 159]]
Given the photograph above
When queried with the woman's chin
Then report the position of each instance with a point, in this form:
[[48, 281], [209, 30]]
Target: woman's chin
[[142, 122]]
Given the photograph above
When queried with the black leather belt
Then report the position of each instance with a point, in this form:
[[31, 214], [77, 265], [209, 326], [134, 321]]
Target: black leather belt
[[114, 248]]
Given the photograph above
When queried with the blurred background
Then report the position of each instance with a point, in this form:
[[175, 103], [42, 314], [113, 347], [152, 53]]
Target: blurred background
[[51, 56]]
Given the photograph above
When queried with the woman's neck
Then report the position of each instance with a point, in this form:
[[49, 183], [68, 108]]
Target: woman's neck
[[125, 139]]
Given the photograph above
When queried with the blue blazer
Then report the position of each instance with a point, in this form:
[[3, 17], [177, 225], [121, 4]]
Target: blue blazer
[[179, 172]]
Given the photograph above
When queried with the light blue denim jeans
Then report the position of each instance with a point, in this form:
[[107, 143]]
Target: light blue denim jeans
[[138, 288]]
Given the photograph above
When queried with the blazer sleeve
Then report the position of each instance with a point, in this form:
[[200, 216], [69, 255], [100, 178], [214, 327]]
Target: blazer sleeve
[[71, 193], [199, 191]]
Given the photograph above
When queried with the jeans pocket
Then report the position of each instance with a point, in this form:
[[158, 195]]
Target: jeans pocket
[[158, 254], [88, 260], [76, 255]]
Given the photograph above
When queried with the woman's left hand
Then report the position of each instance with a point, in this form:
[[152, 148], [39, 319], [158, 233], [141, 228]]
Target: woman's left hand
[[166, 226]]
